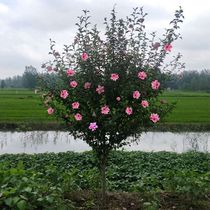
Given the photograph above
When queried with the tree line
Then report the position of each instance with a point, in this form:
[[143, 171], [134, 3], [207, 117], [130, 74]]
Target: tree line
[[29, 79], [191, 80]]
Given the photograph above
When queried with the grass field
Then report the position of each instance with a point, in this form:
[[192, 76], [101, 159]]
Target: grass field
[[25, 106], [21, 106], [191, 107]]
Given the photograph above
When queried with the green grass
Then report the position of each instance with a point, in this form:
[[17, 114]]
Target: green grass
[[191, 107], [23, 105]]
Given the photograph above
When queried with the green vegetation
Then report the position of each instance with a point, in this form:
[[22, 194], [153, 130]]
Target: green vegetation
[[191, 107], [24, 106], [70, 180], [21, 105]]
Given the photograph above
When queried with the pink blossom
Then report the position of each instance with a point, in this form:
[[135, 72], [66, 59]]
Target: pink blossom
[[105, 110], [64, 94], [73, 84], [136, 94], [129, 110], [70, 72], [75, 105], [87, 85], [145, 103], [50, 110], [168, 47], [78, 117], [142, 75], [114, 77], [155, 85], [100, 89], [154, 117], [118, 98], [156, 45], [84, 56], [93, 126], [49, 68]]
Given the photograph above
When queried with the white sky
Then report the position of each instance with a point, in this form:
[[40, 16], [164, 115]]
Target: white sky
[[27, 25]]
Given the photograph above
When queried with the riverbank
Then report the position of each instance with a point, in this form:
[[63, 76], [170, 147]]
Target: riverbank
[[136, 180]]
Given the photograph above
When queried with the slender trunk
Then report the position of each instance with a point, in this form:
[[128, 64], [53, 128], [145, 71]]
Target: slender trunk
[[103, 164]]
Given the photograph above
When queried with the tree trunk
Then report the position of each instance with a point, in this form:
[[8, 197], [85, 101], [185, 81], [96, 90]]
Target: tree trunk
[[103, 164]]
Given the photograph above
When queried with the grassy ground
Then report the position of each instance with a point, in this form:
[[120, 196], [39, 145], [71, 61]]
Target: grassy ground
[[19, 106], [191, 107], [22, 106]]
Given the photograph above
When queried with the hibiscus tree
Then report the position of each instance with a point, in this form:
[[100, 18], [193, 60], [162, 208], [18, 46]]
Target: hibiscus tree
[[107, 89]]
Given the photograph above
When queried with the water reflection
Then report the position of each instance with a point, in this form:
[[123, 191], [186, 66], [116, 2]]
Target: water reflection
[[56, 141], [196, 141]]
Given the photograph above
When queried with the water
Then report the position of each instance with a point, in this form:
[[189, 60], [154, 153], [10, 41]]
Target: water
[[56, 141]]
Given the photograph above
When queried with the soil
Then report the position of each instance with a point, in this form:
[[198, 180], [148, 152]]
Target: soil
[[87, 200]]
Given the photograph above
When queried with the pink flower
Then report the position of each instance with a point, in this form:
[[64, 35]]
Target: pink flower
[[142, 75], [70, 72], [73, 84], [155, 85], [49, 68], [78, 117], [145, 103], [64, 94], [136, 94], [154, 117], [87, 85], [50, 110], [168, 47], [118, 98], [129, 110], [100, 89], [156, 45], [75, 105], [93, 126], [105, 110], [114, 77], [84, 56]]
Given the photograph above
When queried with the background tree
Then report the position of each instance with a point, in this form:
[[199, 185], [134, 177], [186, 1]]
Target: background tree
[[29, 77], [190, 80], [106, 90], [3, 84]]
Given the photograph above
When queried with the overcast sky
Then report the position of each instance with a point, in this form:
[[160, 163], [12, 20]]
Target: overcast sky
[[27, 25]]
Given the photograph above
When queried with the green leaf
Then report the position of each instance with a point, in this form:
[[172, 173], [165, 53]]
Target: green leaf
[[28, 189], [8, 202], [22, 205], [11, 201]]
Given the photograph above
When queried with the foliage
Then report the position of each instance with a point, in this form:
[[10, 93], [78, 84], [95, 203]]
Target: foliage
[[22, 189], [45, 181], [106, 89], [126, 169]]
